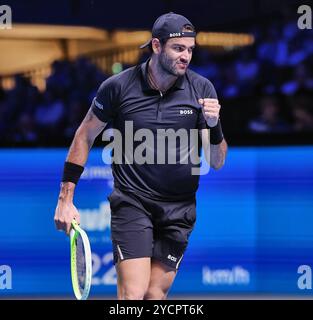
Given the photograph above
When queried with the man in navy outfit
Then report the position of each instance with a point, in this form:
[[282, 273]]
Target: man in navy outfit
[[153, 207]]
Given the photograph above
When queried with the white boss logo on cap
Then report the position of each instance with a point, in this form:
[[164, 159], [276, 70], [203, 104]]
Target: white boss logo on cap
[[175, 34]]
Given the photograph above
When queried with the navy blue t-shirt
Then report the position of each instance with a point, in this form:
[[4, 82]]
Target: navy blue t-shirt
[[127, 100]]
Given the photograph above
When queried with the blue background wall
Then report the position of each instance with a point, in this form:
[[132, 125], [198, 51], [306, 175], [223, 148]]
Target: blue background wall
[[254, 223]]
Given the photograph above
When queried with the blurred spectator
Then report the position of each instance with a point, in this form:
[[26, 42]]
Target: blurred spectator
[[274, 48], [50, 112], [75, 114], [269, 119], [296, 51], [60, 80], [203, 64], [25, 131], [230, 86], [302, 113], [301, 80], [247, 67], [2, 109]]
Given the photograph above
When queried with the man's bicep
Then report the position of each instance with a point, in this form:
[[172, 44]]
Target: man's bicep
[[92, 124], [104, 112]]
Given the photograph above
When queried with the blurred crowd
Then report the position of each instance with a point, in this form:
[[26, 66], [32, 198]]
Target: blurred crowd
[[50, 117], [263, 88], [267, 87]]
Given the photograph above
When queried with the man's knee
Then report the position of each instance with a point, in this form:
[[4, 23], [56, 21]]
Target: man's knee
[[133, 278], [155, 293], [132, 293]]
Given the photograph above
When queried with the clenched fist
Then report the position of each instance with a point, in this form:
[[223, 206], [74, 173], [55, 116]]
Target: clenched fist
[[211, 111]]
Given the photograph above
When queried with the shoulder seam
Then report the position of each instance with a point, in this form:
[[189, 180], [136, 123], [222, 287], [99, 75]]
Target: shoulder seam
[[129, 79]]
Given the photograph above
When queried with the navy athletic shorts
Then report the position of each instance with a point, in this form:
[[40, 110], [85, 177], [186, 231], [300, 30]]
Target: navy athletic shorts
[[142, 227]]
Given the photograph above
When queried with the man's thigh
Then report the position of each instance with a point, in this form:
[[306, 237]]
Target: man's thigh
[[173, 226], [131, 228], [133, 277]]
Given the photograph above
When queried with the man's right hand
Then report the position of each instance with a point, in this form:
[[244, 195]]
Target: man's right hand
[[65, 212]]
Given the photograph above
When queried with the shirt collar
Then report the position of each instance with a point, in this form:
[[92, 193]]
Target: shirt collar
[[179, 84]]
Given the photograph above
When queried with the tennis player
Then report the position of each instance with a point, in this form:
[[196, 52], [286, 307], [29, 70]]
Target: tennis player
[[153, 206]]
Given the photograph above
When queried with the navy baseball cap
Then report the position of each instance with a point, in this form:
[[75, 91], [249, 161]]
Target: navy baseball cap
[[170, 25]]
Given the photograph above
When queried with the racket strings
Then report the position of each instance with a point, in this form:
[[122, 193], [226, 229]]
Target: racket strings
[[80, 263]]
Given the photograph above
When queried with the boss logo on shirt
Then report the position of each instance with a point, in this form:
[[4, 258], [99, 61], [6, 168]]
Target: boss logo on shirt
[[171, 258], [186, 111]]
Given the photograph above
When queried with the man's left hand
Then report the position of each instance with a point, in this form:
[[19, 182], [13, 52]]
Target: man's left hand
[[211, 111]]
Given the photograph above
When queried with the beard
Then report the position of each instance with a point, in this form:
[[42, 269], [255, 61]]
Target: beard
[[168, 65]]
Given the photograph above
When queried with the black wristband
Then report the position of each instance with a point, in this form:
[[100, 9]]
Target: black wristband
[[216, 133], [72, 172]]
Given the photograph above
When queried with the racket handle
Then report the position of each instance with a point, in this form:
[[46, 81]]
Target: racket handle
[[72, 233], [74, 224]]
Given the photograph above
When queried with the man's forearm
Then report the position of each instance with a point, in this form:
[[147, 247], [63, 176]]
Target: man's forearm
[[80, 147], [218, 154], [215, 154], [84, 138], [78, 154]]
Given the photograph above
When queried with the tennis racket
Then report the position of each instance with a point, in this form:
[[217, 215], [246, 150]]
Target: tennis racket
[[81, 263]]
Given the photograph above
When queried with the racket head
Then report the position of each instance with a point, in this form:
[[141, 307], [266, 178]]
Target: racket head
[[81, 263]]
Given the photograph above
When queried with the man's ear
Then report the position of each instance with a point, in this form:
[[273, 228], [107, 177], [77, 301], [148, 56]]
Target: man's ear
[[156, 46]]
